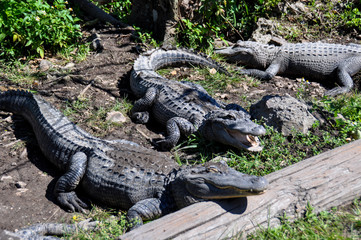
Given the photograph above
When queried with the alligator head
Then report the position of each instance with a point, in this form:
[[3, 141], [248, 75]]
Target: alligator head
[[233, 128], [249, 53], [214, 181]]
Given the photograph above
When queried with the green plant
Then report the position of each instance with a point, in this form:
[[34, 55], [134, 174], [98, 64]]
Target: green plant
[[146, 37], [32, 27], [121, 9], [351, 16], [347, 113], [219, 18], [111, 224], [337, 223]]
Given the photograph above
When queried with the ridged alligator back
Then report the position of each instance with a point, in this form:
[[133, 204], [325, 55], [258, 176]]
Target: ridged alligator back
[[58, 138], [317, 60]]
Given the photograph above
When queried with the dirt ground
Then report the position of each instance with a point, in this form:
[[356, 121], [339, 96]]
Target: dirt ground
[[27, 180]]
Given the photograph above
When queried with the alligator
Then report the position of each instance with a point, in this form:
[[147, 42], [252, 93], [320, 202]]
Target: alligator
[[185, 107], [317, 61], [120, 173]]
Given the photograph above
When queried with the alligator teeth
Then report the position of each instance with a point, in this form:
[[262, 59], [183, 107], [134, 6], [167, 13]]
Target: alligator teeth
[[252, 140]]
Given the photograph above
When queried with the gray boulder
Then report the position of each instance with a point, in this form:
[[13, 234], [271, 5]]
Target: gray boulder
[[285, 113]]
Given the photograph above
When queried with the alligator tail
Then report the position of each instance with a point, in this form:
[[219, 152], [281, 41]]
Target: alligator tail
[[163, 58], [15, 101]]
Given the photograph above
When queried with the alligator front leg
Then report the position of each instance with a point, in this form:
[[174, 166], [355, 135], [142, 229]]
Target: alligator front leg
[[65, 186], [268, 74], [140, 109], [176, 126], [344, 72], [146, 209]]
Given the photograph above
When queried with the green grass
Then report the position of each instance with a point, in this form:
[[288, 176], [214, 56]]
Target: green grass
[[111, 224], [212, 82], [80, 112], [338, 223], [19, 74]]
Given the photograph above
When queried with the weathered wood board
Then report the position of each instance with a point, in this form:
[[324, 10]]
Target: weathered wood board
[[330, 179]]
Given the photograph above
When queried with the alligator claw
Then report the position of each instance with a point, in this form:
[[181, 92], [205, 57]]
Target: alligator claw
[[71, 202], [141, 117], [164, 144]]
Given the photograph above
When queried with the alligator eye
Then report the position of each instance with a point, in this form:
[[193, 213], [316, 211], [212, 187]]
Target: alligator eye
[[229, 117], [212, 169]]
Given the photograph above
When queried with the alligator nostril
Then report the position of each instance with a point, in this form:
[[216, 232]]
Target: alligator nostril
[[259, 130]]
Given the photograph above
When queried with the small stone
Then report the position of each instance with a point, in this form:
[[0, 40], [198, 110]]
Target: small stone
[[212, 71], [220, 158], [69, 65], [66, 78], [116, 117], [45, 65], [20, 184], [14, 164], [279, 84]]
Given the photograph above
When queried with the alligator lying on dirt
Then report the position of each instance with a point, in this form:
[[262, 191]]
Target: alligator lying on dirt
[[186, 107], [120, 173], [318, 61]]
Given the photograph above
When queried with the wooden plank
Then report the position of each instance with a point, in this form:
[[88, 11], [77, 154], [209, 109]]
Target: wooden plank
[[330, 179]]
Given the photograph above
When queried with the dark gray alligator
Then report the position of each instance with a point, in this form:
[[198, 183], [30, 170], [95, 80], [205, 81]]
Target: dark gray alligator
[[317, 61], [185, 107], [120, 173]]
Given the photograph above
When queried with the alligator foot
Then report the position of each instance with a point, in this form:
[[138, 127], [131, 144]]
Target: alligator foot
[[72, 202], [39, 231], [336, 91], [141, 117], [164, 144]]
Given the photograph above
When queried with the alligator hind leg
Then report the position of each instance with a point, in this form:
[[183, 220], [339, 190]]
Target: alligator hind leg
[[65, 186], [344, 72], [176, 126], [139, 111]]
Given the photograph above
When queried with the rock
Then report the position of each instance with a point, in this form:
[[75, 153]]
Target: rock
[[45, 65], [265, 31], [116, 117], [69, 66], [220, 159], [286, 114]]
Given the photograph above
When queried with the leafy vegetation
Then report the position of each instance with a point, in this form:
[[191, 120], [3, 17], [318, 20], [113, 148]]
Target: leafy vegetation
[[222, 19], [334, 224], [111, 224], [121, 9], [347, 112], [32, 27], [95, 118]]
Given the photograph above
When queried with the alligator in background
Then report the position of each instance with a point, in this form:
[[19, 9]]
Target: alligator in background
[[185, 107], [120, 173], [317, 61]]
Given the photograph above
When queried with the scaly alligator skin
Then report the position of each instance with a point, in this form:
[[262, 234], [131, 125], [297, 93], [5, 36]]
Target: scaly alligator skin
[[120, 173], [185, 107], [318, 61]]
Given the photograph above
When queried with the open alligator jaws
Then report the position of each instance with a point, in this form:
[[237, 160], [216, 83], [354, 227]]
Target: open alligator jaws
[[120, 173], [186, 107], [318, 61]]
